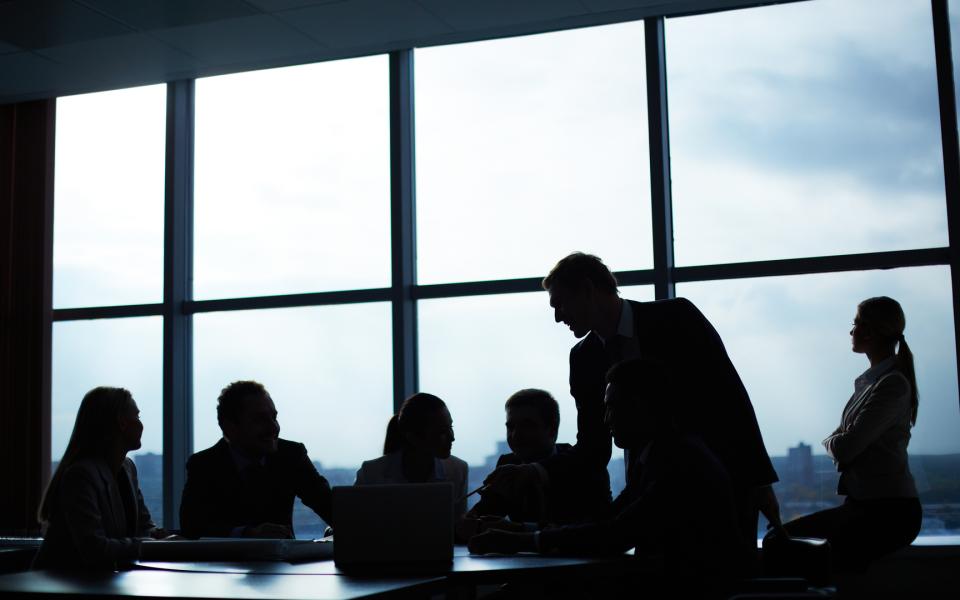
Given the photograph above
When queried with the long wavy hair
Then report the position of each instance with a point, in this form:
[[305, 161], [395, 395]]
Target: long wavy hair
[[95, 433], [411, 418], [884, 317]]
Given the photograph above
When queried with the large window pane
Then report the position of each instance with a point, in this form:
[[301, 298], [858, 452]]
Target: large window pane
[[805, 129], [529, 148], [118, 353], [293, 180], [328, 369], [476, 351], [108, 190], [789, 338]]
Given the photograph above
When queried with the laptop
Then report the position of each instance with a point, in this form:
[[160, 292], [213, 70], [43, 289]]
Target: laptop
[[393, 528]]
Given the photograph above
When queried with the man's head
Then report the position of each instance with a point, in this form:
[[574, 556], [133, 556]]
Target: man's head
[[248, 418], [533, 418], [579, 286], [637, 402]]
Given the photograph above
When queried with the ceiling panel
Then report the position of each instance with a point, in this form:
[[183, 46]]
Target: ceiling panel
[[237, 41], [25, 73], [471, 15], [45, 23], [365, 22], [158, 14], [277, 5], [134, 59]]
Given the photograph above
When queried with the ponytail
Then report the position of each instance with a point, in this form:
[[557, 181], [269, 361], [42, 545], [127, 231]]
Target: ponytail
[[905, 365]]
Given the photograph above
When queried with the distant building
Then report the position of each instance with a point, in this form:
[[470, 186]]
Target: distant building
[[800, 466]]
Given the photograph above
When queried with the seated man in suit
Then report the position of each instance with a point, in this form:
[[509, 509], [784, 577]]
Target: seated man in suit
[[246, 483], [678, 504], [533, 419]]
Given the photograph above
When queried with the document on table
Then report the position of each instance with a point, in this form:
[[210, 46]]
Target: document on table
[[207, 549]]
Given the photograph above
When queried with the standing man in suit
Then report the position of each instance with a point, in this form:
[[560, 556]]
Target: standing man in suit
[[715, 405], [244, 486]]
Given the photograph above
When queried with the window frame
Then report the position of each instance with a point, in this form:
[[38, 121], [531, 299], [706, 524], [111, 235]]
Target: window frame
[[178, 306]]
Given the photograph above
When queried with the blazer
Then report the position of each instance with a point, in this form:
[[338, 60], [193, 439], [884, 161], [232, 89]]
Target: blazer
[[678, 505], [217, 498], [870, 445], [579, 501], [712, 400], [88, 526], [389, 469]]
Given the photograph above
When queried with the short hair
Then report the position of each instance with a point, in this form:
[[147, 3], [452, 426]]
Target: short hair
[[230, 401], [575, 269], [541, 400], [648, 380]]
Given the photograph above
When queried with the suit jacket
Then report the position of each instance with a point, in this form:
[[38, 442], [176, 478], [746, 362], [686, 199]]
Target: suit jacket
[[88, 526], [678, 505], [713, 403], [870, 445], [579, 501], [217, 498], [389, 469]]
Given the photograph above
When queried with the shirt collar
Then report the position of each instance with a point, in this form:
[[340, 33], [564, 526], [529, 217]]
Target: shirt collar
[[625, 325], [241, 461], [873, 373]]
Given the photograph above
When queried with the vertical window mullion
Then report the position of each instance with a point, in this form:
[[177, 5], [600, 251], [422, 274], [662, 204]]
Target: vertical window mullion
[[402, 226], [951, 151], [659, 135], [177, 289]]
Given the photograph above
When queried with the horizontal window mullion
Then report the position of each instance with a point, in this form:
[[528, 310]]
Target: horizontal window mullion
[[107, 312]]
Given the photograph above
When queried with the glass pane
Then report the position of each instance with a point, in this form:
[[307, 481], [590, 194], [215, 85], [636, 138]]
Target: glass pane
[[529, 148], [123, 353], [328, 370], [789, 337], [810, 128], [476, 351], [108, 190], [292, 176]]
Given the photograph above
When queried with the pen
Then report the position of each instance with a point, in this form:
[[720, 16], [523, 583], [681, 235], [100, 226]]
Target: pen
[[465, 496]]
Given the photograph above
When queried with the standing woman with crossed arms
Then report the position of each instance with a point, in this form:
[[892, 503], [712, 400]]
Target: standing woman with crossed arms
[[881, 512]]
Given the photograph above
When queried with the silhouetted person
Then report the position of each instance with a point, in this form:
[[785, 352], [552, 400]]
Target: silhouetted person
[[92, 512], [417, 449], [244, 486], [678, 504], [881, 511], [533, 419], [584, 296]]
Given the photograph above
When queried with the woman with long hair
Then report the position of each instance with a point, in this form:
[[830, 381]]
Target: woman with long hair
[[92, 512], [417, 449], [881, 511]]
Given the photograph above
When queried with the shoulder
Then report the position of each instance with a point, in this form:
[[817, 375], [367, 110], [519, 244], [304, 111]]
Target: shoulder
[[210, 456], [589, 343], [84, 472], [455, 465], [287, 448], [508, 459], [562, 448], [892, 385], [376, 465]]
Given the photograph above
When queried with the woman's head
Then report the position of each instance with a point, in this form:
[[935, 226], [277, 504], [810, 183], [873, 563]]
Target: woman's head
[[107, 422], [879, 328], [423, 424], [878, 325]]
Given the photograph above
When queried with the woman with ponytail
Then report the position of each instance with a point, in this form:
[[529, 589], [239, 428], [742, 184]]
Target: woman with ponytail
[[92, 512], [881, 511], [417, 449]]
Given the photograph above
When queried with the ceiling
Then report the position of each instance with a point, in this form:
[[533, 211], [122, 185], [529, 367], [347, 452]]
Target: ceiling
[[60, 47]]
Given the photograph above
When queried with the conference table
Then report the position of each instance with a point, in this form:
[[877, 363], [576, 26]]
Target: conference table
[[317, 580]]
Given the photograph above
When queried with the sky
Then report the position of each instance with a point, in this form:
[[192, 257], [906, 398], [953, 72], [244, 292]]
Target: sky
[[799, 130]]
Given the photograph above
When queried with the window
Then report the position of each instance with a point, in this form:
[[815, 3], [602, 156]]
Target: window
[[327, 369], [108, 228], [789, 338], [293, 180], [806, 129], [118, 353], [525, 148]]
